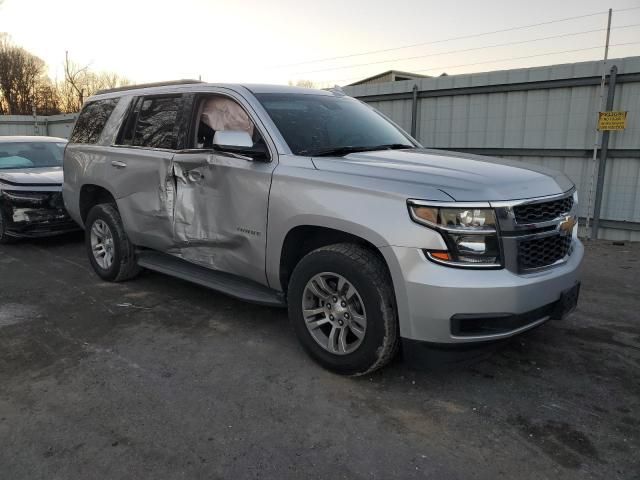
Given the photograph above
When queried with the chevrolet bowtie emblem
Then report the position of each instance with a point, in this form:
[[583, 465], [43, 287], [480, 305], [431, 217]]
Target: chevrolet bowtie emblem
[[566, 226]]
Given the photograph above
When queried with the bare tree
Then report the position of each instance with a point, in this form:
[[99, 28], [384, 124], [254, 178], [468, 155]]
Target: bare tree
[[20, 75], [24, 84], [47, 98], [73, 88], [80, 82]]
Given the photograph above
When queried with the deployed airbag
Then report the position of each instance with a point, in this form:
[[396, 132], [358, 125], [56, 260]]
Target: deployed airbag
[[220, 113]]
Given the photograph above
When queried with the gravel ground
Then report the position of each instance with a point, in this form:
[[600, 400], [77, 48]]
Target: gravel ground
[[157, 378]]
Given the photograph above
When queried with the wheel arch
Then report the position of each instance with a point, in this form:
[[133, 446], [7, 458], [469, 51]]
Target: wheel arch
[[92, 195], [302, 239]]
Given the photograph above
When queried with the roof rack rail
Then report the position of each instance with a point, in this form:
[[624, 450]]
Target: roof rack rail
[[186, 81]]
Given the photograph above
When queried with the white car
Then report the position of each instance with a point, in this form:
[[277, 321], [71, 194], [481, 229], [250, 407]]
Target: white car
[[31, 202]]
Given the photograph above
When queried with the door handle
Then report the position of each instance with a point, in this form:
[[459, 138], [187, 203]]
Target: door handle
[[118, 164]]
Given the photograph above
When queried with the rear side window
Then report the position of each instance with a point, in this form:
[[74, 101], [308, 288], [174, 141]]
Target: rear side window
[[92, 119], [125, 137], [156, 125]]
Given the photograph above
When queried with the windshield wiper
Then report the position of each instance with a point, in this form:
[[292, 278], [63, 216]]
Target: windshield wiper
[[341, 151], [395, 146]]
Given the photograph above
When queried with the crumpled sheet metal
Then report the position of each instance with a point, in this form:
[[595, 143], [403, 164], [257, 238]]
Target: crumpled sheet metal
[[209, 204], [40, 215]]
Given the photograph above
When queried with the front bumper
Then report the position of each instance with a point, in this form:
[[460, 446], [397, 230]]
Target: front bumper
[[35, 224], [432, 298], [35, 214]]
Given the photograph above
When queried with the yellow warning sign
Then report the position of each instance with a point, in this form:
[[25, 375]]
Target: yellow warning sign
[[612, 120]]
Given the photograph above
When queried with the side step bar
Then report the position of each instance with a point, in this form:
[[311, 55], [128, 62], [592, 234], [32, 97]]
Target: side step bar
[[222, 282]]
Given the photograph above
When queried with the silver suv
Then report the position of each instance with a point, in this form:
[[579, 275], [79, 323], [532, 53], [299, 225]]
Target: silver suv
[[310, 199]]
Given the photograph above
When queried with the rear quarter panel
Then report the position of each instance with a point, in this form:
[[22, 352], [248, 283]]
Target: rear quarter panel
[[86, 164]]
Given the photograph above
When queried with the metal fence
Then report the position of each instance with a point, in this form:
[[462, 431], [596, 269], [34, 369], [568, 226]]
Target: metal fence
[[52, 126], [543, 115]]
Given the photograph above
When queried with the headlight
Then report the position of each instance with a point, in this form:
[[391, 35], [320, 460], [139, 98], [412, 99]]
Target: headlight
[[469, 230]]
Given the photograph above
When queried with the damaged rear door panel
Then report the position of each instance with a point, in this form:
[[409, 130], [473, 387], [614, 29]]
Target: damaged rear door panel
[[141, 168], [144, 190]]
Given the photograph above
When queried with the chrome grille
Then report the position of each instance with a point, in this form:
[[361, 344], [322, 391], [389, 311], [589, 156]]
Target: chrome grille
[[542, 252], [542, 212], [531, 231]]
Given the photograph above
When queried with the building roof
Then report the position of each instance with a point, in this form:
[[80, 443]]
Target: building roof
[[393, 73]]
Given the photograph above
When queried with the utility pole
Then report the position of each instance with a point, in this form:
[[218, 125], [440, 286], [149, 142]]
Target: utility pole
[[414, 112], [597, 132], [36, 128], [34, 97], [611, 91]]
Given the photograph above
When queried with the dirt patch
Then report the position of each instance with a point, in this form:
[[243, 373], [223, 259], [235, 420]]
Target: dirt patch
[[559, 440]]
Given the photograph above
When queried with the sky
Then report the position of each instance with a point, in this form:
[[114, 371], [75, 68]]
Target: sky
[[277, 41]]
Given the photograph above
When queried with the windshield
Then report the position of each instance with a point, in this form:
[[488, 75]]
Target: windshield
[[320, 124], [30, 154]]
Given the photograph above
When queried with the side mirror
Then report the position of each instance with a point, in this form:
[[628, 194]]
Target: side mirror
[[240, 142]]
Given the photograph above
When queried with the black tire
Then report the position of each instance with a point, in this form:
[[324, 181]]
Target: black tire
[[4, 238], [124, 265], [368, 274]]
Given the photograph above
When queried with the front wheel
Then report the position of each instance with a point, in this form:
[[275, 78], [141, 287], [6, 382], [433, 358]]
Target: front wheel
[[111, 254], [341, 305]]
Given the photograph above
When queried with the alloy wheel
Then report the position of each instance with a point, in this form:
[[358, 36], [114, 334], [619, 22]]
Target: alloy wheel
[[334, 313], [102, 244]]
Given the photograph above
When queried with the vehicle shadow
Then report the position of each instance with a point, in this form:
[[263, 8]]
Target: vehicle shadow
[[54, 240]]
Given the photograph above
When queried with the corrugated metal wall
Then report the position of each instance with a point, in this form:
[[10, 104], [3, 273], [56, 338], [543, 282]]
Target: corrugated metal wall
[[509, 112], [461, 112], [53, 125]]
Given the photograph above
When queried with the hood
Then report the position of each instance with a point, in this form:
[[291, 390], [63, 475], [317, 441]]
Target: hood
[[33, 177], [464, 177]]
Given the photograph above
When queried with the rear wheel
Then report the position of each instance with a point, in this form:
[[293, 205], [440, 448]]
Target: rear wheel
[[111, 254], [341, 305]]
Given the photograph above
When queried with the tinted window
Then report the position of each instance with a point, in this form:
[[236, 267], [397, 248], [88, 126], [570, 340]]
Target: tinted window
[[92, 120], [157, 122], [312, 123], [125, 136], [30, 154]]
